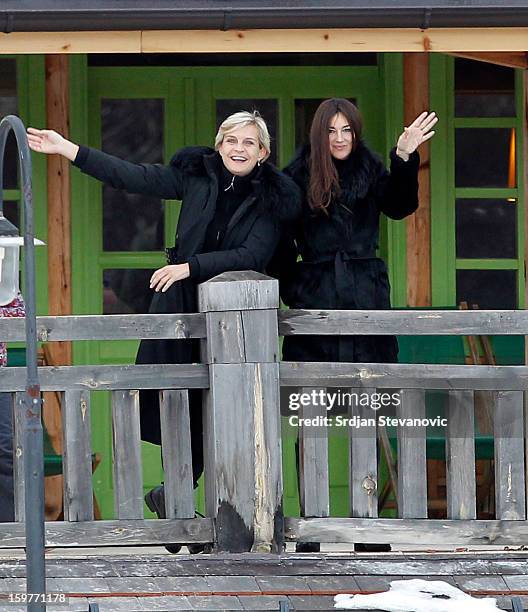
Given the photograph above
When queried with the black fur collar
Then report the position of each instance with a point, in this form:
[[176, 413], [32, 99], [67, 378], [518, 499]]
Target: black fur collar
[[358, 173], [276, 193]]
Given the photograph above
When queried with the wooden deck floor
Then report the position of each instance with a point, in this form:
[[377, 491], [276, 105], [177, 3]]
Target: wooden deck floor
[[149, 580]]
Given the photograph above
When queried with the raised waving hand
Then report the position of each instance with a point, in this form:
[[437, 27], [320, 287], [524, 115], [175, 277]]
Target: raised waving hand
[[49, 142], [415, 134]]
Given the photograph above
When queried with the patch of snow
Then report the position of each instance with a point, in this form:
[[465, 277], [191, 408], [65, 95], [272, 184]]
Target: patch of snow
[[417, 596]]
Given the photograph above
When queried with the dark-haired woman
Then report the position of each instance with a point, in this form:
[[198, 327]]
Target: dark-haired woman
[[346, 188]]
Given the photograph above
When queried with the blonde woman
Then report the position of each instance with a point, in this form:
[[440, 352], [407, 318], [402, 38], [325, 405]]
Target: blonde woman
[[233, 204]]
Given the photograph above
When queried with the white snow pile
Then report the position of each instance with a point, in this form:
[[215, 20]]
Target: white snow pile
[[417, 596]]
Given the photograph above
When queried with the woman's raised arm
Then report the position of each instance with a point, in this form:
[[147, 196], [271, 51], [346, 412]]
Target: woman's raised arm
[[150, 179]]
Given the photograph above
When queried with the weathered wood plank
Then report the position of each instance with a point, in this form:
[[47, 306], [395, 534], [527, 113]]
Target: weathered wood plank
[[111, 377], [225, 338], [403, 375], [268, 516], [460, 456], [402, 322], [412, 462], [407, 531], [114, 533], [292, 322], [261, 336], [243, 397], [363, 463], [19, 456], [510, 496], [77, 456], [314, 485], [177, 458], [230, 456], [244, 290], [107, 327], [128, 480]]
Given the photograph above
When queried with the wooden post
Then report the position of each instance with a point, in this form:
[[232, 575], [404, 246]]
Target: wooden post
[[416, 100], [59, 202], [59, 254], [314, 486], [412, 465], [243, 476]]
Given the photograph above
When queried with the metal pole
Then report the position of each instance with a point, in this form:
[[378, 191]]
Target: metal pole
[[33, 439]]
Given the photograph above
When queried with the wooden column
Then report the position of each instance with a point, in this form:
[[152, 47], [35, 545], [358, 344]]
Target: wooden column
[[416, 100], [59, 256], [59, 202], [243, 476]]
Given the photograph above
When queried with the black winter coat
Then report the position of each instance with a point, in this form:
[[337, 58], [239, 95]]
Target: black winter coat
[[339, 268], [248, 242]]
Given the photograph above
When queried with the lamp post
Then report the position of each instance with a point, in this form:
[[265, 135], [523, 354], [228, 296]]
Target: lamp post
[[33, 449], [10, 242]]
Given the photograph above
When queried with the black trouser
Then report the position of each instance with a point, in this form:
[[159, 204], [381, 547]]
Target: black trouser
[[151, 397]]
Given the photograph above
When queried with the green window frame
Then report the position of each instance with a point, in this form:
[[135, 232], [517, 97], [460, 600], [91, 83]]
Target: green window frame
[[444, 193], [31, 99]]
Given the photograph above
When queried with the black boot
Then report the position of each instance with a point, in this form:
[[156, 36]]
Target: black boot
[[155, 500]]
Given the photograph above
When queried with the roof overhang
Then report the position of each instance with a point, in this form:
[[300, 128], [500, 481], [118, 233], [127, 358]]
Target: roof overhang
[[104, 15], [246, 26]]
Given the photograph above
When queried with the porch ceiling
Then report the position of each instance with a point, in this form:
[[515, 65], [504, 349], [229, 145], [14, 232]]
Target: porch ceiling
[[103, 15]]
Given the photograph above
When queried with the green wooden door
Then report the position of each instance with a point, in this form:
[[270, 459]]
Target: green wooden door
[[145, 114]]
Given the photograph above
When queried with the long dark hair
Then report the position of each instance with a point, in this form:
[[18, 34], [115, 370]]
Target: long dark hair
[[324, 180]]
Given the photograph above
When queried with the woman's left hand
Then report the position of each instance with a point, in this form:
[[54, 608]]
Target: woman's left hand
[[419, 131], [163, 278]]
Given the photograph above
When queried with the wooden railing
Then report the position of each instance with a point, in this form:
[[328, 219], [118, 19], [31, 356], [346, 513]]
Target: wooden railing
[[239, 324], [506, 386]]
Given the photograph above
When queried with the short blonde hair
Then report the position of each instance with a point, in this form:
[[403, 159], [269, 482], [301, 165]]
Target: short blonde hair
[[241, 119]]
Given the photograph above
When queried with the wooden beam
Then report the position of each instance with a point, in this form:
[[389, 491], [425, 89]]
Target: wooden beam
[[111, 377], [294, 322], [416, 100], [59, 203], [155, 532], [518, 59], [363, 376], [70, 42], [59, 254], [336, 40], [332, 40], [435, 532]]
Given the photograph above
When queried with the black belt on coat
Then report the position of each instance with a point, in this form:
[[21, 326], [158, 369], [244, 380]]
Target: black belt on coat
[[345, 283]]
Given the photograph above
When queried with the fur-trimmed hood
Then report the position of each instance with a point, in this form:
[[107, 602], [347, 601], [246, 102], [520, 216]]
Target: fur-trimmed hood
[[363, 169], [275, 192]]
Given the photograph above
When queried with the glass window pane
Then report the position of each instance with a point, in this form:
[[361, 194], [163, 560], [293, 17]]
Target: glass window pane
[[483, 89], [132, 130], [126, 291], [12, 213], [9, 106], [268, 108], [304, 111], [489, 289], [485, 157], [486, 229]]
